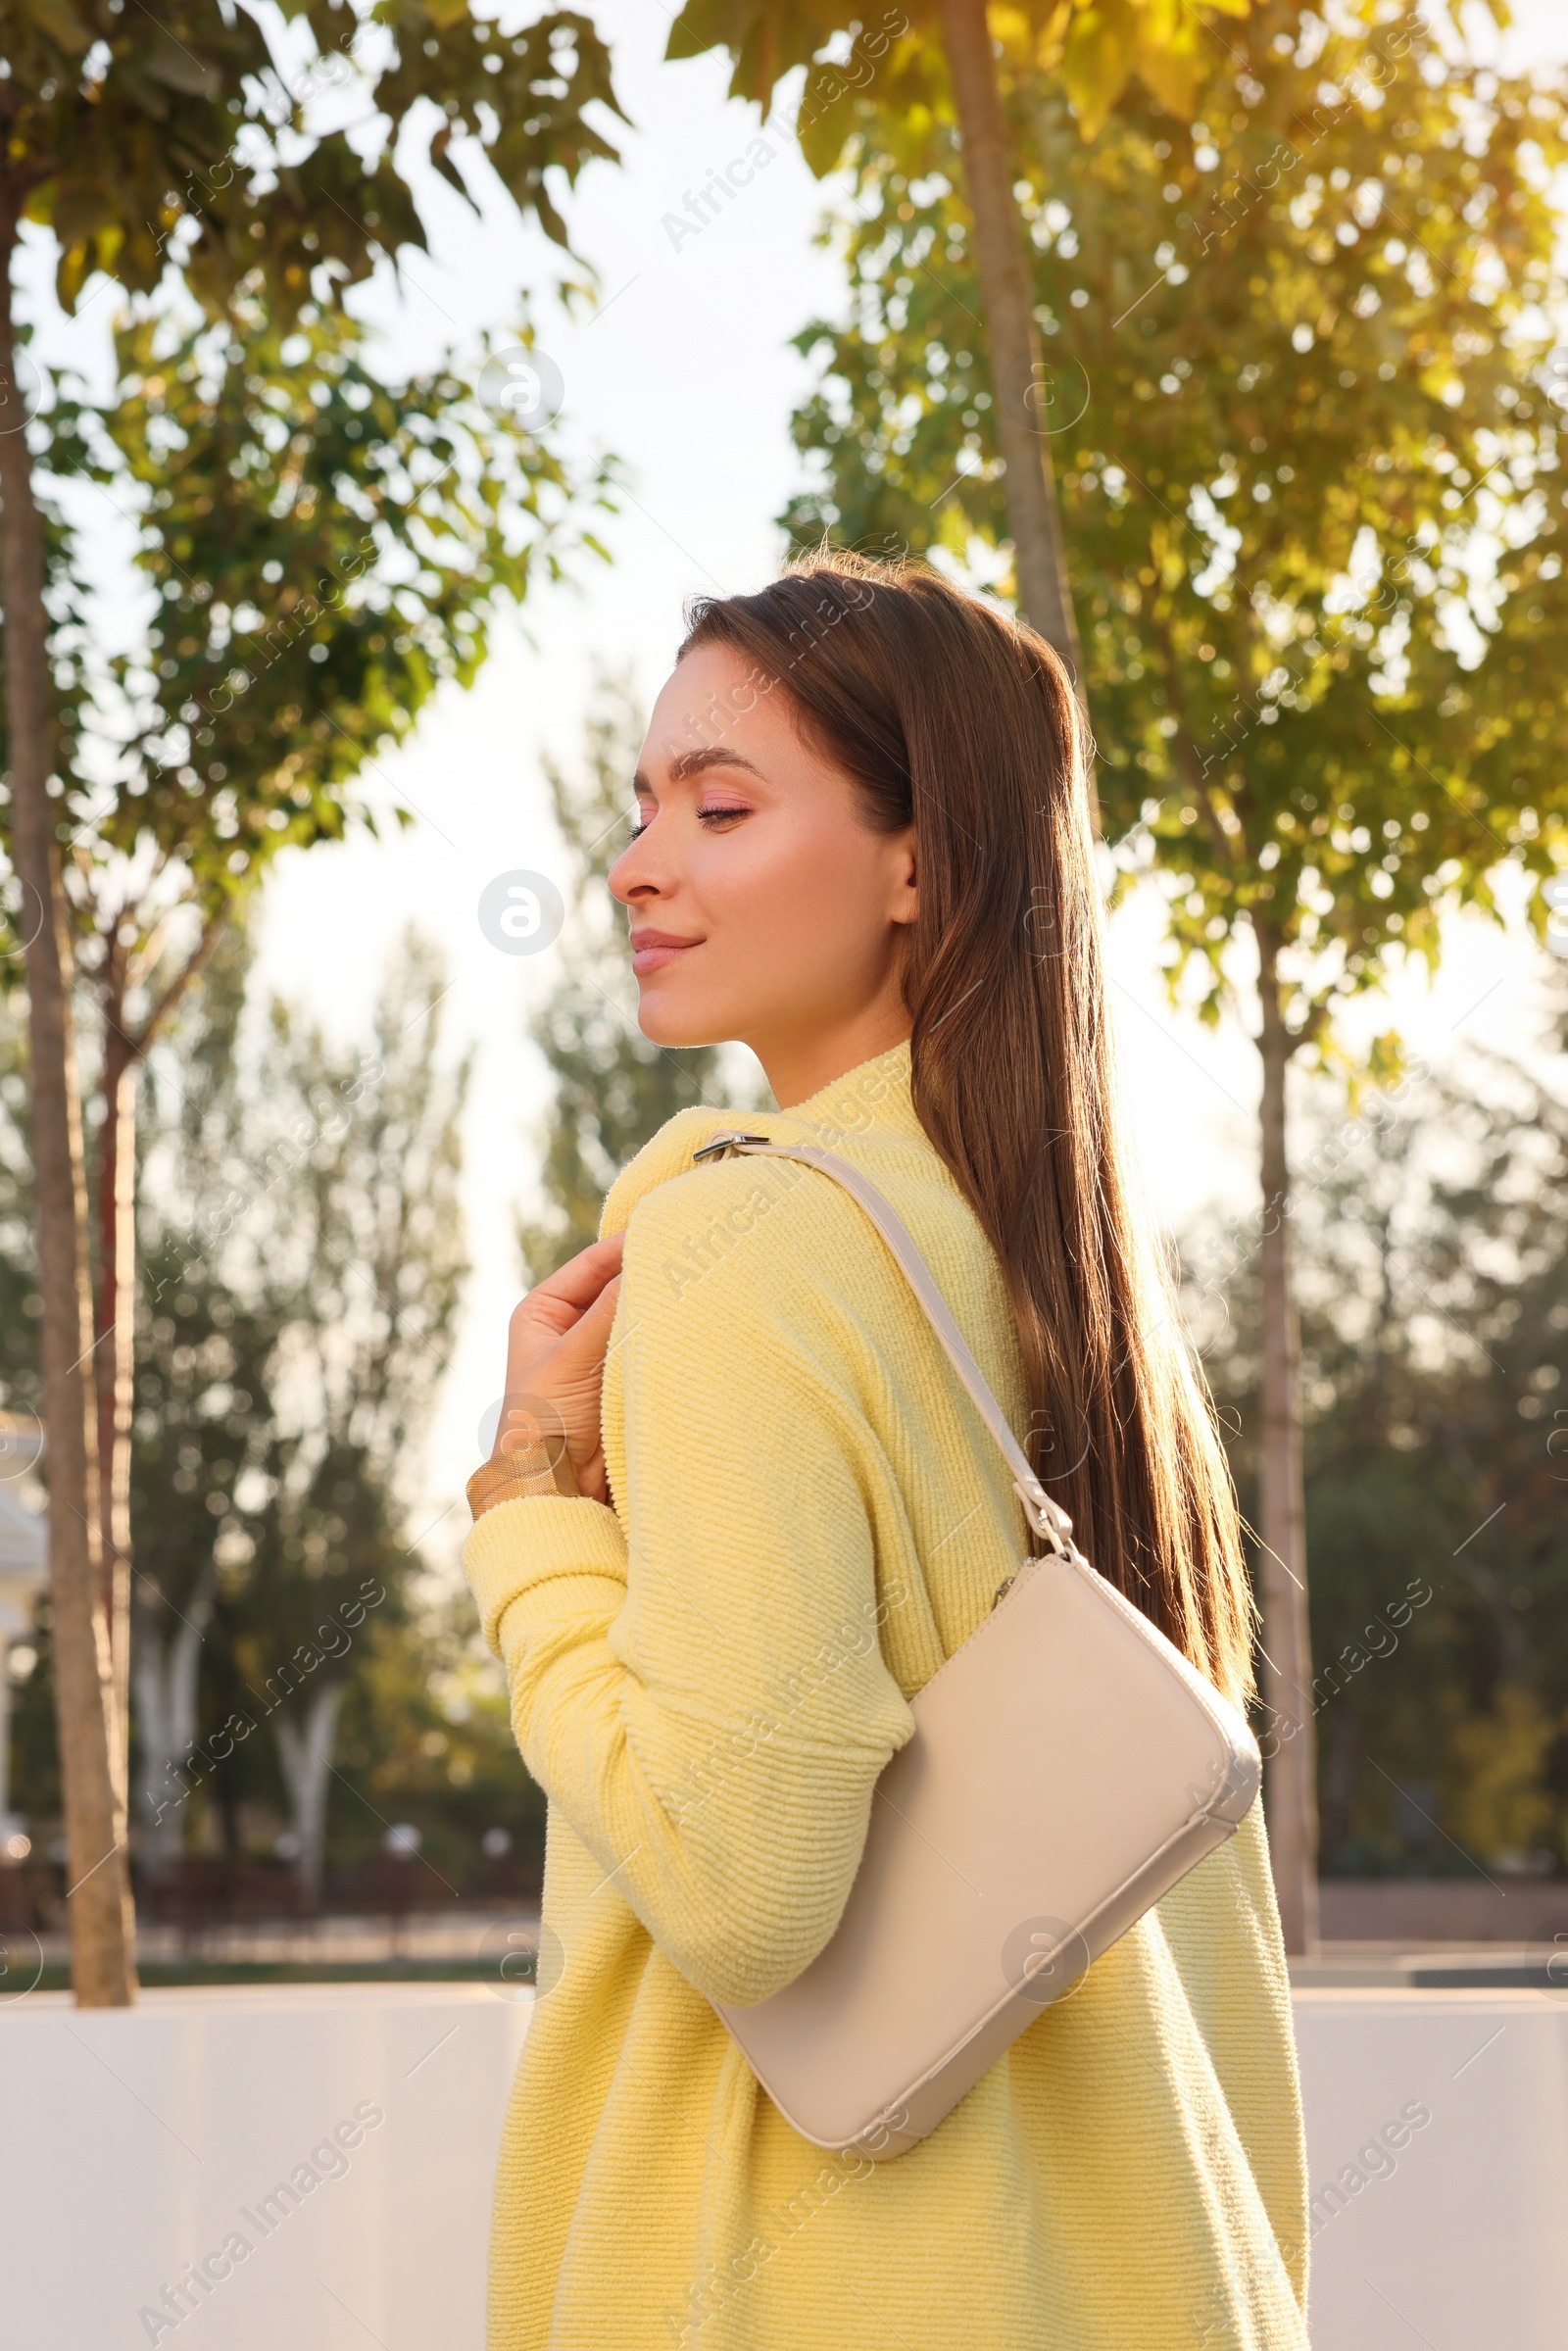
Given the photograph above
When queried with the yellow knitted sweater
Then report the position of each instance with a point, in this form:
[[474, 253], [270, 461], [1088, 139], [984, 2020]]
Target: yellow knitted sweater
[[707, 1680]]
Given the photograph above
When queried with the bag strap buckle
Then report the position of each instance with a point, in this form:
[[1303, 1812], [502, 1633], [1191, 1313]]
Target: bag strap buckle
[[717, 1145]]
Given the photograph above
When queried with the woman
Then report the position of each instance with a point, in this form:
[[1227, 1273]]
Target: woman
[[863, 849]]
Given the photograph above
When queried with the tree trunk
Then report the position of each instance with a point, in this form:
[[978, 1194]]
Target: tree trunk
[[168, 1676], [115, 1353], [115, 1326], [306, 1759], [1290, 1738], [1020, 382], [98, 1883]]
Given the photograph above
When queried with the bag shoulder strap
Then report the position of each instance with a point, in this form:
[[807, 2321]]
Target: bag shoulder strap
[[1047, 1517]]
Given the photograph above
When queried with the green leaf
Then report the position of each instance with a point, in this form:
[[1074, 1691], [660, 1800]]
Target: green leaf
[[704, 24], [170, 60], [1097, 61], [80, 208], [60, 23]]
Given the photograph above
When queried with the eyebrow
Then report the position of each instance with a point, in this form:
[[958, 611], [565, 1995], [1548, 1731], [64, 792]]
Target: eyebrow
[[697, 763]]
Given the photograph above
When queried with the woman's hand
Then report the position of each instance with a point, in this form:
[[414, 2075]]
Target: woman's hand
[[556, 1346]]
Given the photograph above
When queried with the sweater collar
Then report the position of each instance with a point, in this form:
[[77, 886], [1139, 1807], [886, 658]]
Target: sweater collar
[[875, 1095]]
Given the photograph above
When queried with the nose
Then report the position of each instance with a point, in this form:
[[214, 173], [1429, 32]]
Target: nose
[[623, 883], [634, 876]]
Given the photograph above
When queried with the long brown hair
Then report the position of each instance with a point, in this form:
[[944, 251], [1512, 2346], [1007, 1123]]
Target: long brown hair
[[954, 718]]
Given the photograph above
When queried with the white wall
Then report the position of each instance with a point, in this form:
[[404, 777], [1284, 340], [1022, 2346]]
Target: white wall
[[1463, 2244], [135, 2141]]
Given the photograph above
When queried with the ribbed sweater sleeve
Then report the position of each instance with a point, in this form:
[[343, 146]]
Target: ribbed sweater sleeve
[[696, 1677]]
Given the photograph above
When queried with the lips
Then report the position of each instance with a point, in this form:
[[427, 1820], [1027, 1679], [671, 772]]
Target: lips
[[651, 951]]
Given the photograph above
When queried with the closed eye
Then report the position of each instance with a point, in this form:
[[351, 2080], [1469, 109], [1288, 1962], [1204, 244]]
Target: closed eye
[[636, 830]]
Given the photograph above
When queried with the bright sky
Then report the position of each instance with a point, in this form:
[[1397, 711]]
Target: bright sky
[[685, 373]]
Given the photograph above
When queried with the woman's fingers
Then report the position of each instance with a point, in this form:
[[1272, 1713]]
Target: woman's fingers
[[582, 1350], [553, 1307], [579, 1280], [562, 1371], [574, 1365], [556, 1346]]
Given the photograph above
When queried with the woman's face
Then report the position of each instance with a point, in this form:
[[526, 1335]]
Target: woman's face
[[762, 906]]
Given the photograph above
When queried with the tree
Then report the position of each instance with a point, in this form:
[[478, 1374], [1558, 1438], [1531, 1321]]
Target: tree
[[369, 1234], [314, 1205], [288, 1646], [413, 512], [179, 145], [201, 1431], [1432, 1245], [944, 85], [614, 1088], [1320, 624]]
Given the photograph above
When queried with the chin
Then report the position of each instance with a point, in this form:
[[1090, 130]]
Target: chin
[[679, 1025]]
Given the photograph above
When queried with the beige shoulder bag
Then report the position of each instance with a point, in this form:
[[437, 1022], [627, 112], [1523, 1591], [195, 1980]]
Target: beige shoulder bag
[[1068, 1766]]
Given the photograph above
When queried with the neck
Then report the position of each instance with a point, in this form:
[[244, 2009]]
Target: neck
[[797, 1067]]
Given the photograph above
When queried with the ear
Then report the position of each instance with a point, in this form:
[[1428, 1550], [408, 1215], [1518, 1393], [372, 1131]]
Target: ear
[[905, 885]]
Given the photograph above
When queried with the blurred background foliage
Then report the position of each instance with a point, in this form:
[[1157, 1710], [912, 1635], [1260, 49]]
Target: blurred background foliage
[[298, 1669], [1432, 1232], [1298, 358]]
